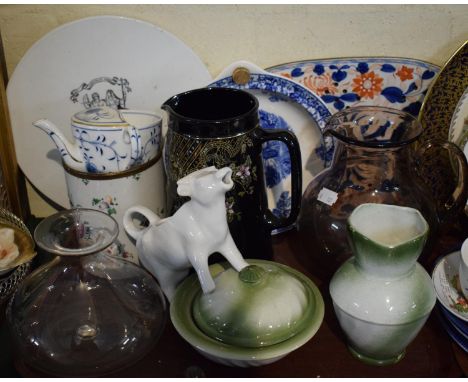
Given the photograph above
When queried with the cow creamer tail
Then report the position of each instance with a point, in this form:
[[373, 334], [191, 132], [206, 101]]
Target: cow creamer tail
[[134, 231]]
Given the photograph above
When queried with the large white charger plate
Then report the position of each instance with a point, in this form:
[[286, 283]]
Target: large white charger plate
[[283, 104], [136, 60]]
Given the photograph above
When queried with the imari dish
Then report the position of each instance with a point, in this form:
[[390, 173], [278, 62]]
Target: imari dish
[[283, 104], [399, 83], [447, 286]]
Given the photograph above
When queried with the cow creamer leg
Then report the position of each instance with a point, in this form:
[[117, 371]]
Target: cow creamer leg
[[169, 279], [231, 253], [199, 262]]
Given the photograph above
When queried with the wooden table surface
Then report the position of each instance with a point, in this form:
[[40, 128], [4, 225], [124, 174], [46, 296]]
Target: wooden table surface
[[431, 354]]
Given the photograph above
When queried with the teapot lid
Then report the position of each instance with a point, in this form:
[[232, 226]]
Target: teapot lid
[[102, 115], [262, 305]]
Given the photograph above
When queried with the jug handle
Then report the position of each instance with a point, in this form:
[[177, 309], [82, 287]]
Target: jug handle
[[458, 198], [292, 143]]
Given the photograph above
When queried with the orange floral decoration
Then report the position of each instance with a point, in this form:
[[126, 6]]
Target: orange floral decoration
[[322, 84], [367, 85], [405, 73]]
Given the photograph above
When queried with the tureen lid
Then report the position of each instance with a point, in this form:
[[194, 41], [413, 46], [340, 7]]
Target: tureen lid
[[99, 115], [261, 305]]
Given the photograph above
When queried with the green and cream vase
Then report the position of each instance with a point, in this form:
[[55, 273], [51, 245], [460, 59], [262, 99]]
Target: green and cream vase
[[382, 297]]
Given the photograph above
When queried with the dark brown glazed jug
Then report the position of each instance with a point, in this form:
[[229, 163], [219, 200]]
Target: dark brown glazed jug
[[374, 162], [220, 127]]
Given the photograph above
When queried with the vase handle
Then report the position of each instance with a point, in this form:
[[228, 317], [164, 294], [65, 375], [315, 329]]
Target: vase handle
[[458, 198]]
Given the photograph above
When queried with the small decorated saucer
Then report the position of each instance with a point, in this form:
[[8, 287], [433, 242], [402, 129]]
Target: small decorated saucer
[[447, 286]]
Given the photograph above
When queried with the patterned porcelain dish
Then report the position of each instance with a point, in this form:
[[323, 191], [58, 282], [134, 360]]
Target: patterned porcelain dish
[[253, 318], [458, 132], [446, 282], [443, 112], [283, 104], [399, 83], [97, 61]]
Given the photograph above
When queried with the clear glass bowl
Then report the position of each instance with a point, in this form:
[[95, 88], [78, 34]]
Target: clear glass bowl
[[85, 313]]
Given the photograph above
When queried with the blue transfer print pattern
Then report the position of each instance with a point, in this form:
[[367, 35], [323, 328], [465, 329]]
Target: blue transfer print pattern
[[284, 88], [283, 205], [94, 146], [276, 160], [144, 150], [311, 102], [98, 146]]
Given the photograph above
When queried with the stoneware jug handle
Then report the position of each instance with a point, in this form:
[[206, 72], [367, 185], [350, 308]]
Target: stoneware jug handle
[[132, 230], [457, 199], [292, 143]]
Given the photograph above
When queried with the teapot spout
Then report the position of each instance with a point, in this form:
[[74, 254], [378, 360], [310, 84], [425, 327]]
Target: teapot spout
[[71, 154]]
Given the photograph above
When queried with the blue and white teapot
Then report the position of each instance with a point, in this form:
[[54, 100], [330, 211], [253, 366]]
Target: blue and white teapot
[[107, 140]]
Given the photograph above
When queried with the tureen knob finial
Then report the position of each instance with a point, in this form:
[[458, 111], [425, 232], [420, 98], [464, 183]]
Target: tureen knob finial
[[252, 274]]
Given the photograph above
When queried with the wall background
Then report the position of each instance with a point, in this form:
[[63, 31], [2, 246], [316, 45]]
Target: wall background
[[264, 34]]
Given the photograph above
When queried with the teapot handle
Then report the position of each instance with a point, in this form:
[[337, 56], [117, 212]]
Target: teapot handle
[[458, 198], [135, 146]]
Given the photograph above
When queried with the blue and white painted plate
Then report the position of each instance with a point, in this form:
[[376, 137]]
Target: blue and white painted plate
[[399, 83], [460, 325], [284, 104], [459, 339]]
